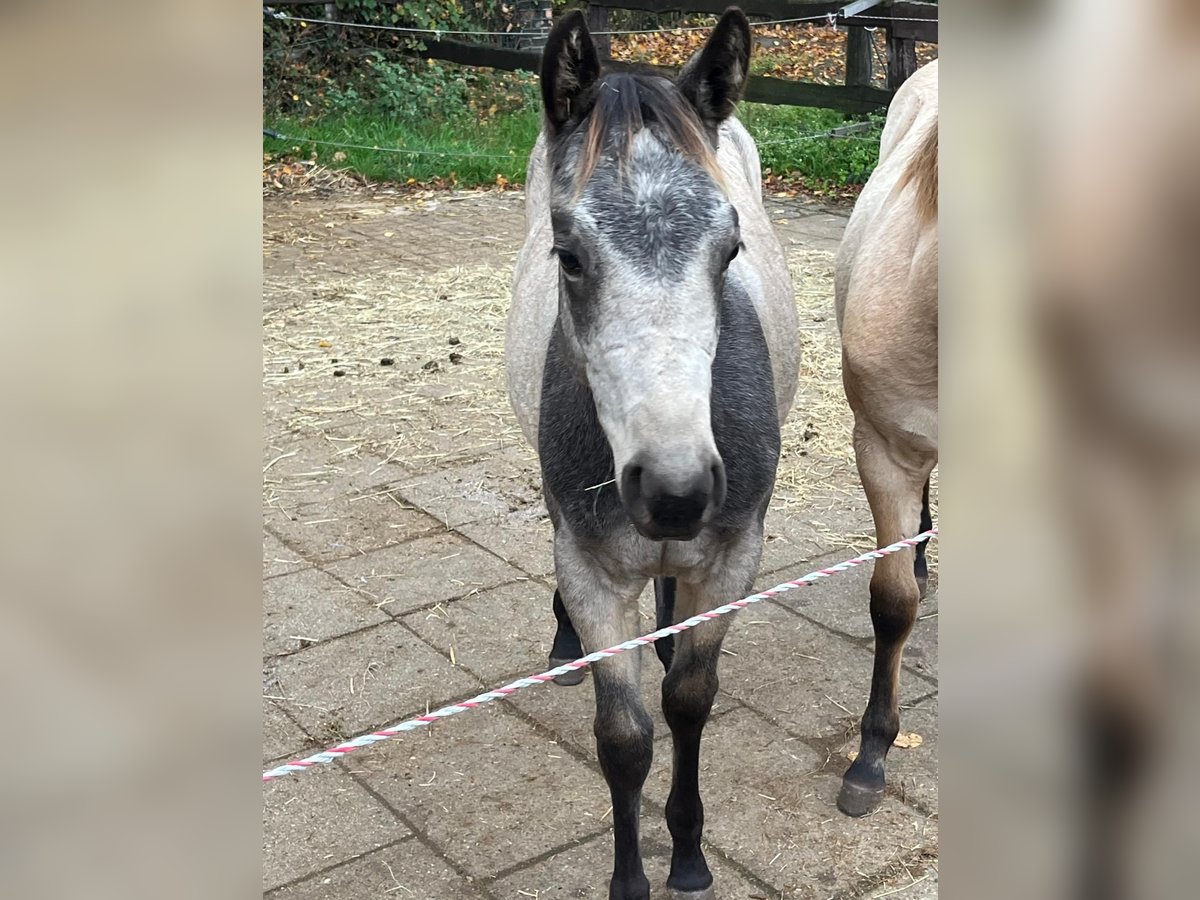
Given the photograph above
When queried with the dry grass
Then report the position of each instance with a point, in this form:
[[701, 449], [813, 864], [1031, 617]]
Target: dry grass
[[298, 178], [442, 397]]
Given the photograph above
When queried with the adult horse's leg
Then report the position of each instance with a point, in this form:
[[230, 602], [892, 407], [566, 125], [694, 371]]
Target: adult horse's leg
[[892, 477], [567, 646], [921, 568], [687, 697], [605, 613]]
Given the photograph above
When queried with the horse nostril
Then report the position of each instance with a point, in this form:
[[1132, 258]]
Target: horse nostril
[[631, 482], [717, 491]]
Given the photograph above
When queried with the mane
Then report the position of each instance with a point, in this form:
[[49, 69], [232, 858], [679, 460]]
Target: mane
[[922, 171], [629, 102]]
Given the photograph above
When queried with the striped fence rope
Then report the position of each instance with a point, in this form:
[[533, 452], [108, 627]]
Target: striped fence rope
[[500, 693], [451, 32], [830, 19]]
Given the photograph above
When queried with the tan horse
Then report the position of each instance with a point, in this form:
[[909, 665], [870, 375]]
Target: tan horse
[[887, 309]]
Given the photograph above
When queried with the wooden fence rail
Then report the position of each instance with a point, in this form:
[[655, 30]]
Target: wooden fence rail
[[905, 24]]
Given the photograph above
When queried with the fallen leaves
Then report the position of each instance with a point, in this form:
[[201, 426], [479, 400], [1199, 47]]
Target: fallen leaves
[[905, 740], [801, 51]]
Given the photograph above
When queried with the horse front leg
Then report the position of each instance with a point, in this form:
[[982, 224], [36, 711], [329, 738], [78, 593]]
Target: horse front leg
[[688, 691], [604, 613], [893, 481]]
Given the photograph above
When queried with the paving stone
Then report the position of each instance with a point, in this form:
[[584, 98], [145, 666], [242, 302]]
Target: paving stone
[[281, 736], [279, 559], [770, 807], [582, 871], [422, 572], [912, 884], [490, 791], [317, 820], [794, 539], [506, 484], [921, 648], [503, 632], [811, 682], [310, 606], [524, 542], [342, 687], [309, 469], [349, 526], [823, 226], [404, 871]]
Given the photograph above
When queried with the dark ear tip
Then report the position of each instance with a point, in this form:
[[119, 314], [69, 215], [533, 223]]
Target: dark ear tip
[[735, 14], [571, 20]]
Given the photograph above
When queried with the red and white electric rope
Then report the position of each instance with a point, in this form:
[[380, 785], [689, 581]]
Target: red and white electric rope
[[333, 753]]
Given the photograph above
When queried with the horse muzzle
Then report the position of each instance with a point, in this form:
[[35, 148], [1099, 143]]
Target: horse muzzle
[[669, 504]]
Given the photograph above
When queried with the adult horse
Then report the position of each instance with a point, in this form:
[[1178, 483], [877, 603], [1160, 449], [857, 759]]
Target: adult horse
[[652, 354], [886, 287]]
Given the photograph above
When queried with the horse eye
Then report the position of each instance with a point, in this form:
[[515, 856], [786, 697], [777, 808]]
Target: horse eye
[[733, 254], [570, 263]]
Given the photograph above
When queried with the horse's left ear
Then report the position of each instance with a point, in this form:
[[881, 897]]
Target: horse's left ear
[[570, 69], [713, 80]]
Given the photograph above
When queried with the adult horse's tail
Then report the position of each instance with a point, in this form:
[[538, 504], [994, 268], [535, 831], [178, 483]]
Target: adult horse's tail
[[922, 172]]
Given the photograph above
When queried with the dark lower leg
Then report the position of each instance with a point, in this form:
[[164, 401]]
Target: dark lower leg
[[921, 568], [664, 607], [894, 600], [625, 746], [567, 646], [688, 692]]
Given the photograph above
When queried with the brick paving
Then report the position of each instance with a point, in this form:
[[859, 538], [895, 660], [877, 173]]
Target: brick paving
[[393, 585]]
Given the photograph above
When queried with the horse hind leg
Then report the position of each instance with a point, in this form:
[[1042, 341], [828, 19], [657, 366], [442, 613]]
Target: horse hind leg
[[893, 485], [921, 567], [664, 610], [567, 646]]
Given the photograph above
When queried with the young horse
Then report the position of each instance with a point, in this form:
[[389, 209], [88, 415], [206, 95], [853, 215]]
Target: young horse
[[652, 354], [886, 289]]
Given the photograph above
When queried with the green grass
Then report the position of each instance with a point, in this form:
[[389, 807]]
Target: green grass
[[452, 147], [779, 132], [459, 147]]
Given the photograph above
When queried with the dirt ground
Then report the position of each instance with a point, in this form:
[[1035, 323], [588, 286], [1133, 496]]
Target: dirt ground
[[407, 564]]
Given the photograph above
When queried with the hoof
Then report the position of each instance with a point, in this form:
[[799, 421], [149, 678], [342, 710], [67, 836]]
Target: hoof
[[706, 894], [569, 679], [858, 801]]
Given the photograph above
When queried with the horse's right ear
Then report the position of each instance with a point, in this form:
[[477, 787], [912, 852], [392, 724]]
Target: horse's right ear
[[570, 68]]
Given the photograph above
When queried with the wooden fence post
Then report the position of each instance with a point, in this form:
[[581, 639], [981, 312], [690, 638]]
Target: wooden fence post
[[902, 59], [597, 20], [858, 55]]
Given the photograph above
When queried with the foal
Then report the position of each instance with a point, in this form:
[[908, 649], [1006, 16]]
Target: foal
[[652, 354], [886, 289]]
